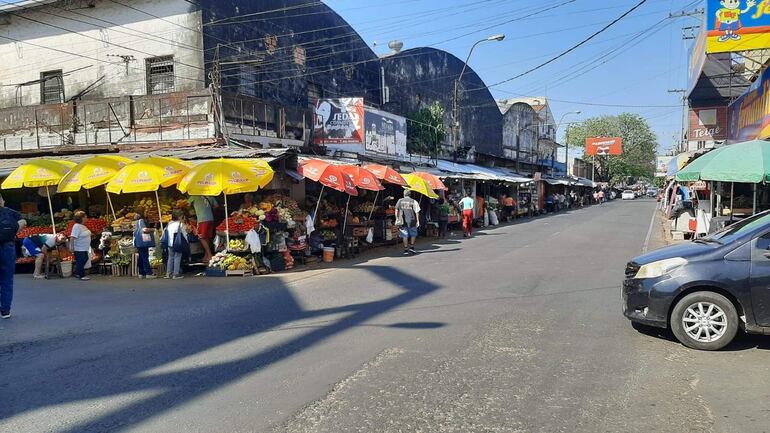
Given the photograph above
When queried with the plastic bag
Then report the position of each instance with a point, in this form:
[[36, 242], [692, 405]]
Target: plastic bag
[[370, 236], [88, 262]]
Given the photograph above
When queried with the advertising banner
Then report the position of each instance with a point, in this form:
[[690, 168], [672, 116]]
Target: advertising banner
[[749, 116], [737, 25], [339, 123], [661, 165], [697, 60], [385, 132], [604, 146]]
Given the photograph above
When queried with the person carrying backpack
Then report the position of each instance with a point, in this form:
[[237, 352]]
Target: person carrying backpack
[[10, 224]]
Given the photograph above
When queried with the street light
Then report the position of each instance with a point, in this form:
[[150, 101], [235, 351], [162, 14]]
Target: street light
[[566, 139], [455, 125]]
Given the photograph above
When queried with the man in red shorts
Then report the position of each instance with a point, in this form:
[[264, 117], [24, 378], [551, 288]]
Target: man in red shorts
[[204, 215]]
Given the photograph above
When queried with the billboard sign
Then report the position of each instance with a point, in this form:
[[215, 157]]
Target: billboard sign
[[707, 124], [661, 165], [697, 56], [385, 132], [604, 146], [749, 115], [737, 25], [339, 123]]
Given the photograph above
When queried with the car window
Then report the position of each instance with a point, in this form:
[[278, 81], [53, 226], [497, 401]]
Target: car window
[[742, 227], [763, 242]]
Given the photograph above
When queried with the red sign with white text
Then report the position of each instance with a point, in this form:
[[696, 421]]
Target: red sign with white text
[[604, 146]]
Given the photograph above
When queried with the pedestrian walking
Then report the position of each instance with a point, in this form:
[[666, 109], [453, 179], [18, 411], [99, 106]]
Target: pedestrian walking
[[467, 205], [144, 239], [443, 217], [80, 237], [10, 224], [596, 197], [408, 221], [178, 244], [38, 246], [601, 197]]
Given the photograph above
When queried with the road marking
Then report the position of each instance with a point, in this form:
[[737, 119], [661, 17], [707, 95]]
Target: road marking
[[649, 232], [554, 234]]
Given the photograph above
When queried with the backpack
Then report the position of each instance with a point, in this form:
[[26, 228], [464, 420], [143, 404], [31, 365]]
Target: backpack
[[9, 225], [180, 243]]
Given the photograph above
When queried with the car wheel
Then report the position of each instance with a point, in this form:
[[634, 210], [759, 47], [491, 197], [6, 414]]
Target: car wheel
[[704, 321]]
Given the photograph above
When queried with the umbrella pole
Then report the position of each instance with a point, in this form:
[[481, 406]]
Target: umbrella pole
[[315, 214], [160, 216], [374, 203], [109, 203], [50, 208], [227, 225], [345, 220], [732, 195]]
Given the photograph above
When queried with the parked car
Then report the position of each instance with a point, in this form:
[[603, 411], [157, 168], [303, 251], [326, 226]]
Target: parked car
[[628, 195], [706, 289], [652, 192]]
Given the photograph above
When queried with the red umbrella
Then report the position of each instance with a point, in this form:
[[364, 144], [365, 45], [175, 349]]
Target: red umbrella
[[328, 174], [433, 181], [387, 174], [363, 178]]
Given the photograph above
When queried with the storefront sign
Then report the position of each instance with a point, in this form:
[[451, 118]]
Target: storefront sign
[[700, 185], [604, 146], [737, 25], [707, 124], [385, 132], [339, 123], [749, 115]]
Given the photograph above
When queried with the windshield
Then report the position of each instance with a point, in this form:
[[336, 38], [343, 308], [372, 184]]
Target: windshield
[[628, 191], [740, 228]]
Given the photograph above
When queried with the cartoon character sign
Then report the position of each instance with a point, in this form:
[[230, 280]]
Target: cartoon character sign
[[728, 18]]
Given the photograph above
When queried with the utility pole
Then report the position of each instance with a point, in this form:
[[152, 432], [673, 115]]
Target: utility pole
[[683, 92]]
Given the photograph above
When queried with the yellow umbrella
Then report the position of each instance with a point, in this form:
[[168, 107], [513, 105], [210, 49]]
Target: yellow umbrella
[[93, 172], [147, 175], [420, 185], [226, 176], [37, 173]]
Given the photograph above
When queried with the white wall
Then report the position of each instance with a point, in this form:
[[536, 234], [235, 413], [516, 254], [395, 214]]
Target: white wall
[[97, 43]]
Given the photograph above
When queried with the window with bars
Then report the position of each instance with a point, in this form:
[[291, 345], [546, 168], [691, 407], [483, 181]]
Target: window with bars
[[51, 87], [160, 75]]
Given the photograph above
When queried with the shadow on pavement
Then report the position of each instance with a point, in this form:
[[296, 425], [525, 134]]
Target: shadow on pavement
[[94, 366]]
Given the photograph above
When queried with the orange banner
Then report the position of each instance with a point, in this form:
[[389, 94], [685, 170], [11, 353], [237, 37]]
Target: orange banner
[[604, 146]]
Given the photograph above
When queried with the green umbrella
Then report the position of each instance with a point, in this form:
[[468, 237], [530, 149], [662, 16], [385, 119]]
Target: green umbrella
[[746, 162]]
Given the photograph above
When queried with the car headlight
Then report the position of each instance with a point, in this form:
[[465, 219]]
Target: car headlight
[[660, 268]]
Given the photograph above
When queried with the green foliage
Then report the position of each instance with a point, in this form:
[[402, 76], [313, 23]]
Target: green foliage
[[425, 130], [639, 144]]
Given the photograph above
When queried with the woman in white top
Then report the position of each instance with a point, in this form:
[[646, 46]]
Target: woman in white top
[[174, 265], [81, 244]]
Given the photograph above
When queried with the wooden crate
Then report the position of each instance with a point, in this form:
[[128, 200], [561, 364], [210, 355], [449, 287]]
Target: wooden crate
[[121, 270]]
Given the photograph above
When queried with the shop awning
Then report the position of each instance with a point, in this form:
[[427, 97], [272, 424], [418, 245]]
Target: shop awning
[[478, 172], [746, 162]]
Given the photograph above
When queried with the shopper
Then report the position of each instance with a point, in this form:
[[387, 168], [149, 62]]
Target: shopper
[[408, 220], [81, 244], [443, 217], [176, 244], [144, 239], [467, 206], [39, 246], [509, 207], [10, 224], [204, 215]]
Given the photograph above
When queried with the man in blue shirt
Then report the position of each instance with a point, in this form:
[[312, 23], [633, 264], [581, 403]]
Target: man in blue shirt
[[10, 224]]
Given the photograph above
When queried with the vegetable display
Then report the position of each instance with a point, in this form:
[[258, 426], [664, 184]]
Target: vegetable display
[[229, 262], [239, 224]]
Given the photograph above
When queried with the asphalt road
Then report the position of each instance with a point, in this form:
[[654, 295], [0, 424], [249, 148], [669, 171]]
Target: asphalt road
[[517, 329]]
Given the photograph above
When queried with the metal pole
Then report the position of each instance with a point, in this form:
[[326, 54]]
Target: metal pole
[[50, 208], [754, 210], [227, 225], [157, 202], [315, 214], [732, 195]]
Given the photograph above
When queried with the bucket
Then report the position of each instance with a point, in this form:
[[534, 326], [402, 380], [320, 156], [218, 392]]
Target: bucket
[[66, 269], [328, 254]]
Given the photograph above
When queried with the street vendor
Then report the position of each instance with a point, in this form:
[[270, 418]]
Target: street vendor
[[204, 216], [38, 246], [248, 201]]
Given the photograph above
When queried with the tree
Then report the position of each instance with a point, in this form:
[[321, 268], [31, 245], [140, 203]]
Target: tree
[[639, 144], [425, 130]]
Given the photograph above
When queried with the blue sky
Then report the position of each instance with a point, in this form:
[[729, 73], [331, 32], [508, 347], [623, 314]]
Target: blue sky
[[633, 64]]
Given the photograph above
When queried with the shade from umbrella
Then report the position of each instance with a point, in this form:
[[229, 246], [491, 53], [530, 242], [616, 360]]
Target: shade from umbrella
[[329, 175], [225, 176], [433, 181], [37, 173], [148, 175], [386, 174], [746, 162], [420, 185], [362, 178], [92, 172]]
